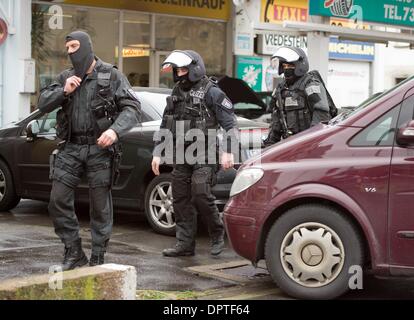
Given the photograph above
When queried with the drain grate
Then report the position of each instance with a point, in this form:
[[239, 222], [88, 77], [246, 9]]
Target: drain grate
[[236, 271]]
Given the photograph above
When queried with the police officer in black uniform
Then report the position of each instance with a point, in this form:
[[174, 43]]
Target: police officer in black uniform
[[98, 107], [196, 103], [300, 100]]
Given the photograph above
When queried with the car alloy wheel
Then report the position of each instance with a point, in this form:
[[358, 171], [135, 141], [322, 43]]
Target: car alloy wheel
[[312, 255], [2, 185], [161, 205]]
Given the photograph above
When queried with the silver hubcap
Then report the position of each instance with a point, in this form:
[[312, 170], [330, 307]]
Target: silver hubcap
[[161, 205], [312, 254], [2, 185]]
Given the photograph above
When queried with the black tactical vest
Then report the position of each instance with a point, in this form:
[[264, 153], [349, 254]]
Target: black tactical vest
[[103, 107], [190, 108], [297, 112]]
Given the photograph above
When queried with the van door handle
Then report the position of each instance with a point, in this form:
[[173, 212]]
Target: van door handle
[[405, 234]]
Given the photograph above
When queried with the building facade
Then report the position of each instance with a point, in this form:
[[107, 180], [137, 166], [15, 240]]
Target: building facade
[[353, 70], [135, 36]]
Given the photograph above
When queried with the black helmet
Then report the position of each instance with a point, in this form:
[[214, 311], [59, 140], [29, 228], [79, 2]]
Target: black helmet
[[295, 56], [186, 59]]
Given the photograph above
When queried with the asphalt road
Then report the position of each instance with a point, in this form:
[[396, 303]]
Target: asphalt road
[[28, 246]]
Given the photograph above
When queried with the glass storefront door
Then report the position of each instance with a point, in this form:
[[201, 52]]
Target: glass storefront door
[[136, 48], [162, 79], [136, 42]]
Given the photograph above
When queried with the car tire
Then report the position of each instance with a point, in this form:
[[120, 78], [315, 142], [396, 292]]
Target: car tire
[[158, 205], [309, 252], [8, 196]]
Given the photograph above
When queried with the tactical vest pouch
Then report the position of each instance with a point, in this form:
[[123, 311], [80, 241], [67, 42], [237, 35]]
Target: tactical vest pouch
[[193, 112], [100, 112], [103, 107], [201, 125], [104, 84], [103, 124], [182, 124], [62, 125], [187, 126], [169, 123], [298, 118]]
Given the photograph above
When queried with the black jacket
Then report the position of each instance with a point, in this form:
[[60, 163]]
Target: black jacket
[[77, 105]]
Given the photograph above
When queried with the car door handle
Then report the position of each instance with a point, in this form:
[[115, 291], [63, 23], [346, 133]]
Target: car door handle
[[405, 234]]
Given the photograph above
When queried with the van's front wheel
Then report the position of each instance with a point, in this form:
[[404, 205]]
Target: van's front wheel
[[310, 251]]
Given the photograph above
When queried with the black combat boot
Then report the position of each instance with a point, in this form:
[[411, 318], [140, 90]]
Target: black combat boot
[[97, 259], [217, 245], [74, 256], [178, 251]]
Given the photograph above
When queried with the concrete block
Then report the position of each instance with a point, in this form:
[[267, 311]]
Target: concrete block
[[106, 282]]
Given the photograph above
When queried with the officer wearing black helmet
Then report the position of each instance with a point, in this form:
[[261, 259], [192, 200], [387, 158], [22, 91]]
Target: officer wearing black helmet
[[98, 107], [301, 100], [196, 103]]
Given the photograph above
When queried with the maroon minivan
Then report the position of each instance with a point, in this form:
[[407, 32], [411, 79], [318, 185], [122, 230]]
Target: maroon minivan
[[332, 200]]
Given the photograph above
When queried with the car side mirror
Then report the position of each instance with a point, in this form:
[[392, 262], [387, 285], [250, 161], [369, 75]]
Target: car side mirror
[[32, 130], [405, 135]]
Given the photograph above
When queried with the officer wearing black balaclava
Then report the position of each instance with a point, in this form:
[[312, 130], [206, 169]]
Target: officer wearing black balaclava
[[97, 107], [196, 103], [301, 100]]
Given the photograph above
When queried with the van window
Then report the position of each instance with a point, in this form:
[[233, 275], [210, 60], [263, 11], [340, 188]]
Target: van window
[[407, 112], [379, 133]]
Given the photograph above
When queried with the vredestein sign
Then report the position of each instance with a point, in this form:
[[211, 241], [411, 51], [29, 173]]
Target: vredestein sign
[[395, 12]]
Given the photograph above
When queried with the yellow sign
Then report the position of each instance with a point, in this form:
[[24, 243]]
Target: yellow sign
[[213, 9], [130, 52], [278, 11], [347, 23]]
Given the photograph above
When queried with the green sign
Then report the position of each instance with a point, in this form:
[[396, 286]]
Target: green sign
[[396, 12], [250, 70]]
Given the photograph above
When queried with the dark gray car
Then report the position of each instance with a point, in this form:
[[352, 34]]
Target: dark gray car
[[25, 147]]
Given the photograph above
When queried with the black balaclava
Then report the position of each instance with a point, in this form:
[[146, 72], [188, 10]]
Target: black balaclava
[[183, 81], [84, 57], [290, 75]]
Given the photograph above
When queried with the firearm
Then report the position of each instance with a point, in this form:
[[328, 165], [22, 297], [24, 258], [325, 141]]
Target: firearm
[[278, 103], [116, 151]]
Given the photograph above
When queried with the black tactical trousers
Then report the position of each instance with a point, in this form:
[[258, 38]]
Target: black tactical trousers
[[191, 187], [70, 165]]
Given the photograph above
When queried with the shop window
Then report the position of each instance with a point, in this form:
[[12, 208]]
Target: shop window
[[48, 44], [136, 50], [208, 38]]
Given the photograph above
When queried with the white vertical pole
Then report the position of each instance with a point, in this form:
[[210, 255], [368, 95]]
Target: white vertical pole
[[16, 49], [318, 49], [121, 42]]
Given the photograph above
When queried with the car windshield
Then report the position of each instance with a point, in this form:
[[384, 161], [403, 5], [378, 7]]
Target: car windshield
[[345, 115], [155, 101]]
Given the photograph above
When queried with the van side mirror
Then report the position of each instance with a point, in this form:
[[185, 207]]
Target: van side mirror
[[32, 130], [405, 135]]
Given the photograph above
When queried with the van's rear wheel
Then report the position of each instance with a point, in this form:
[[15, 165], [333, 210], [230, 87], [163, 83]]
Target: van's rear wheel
[[309, 252]]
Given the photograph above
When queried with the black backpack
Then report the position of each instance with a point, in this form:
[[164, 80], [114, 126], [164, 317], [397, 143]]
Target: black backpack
[[314, 74]]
